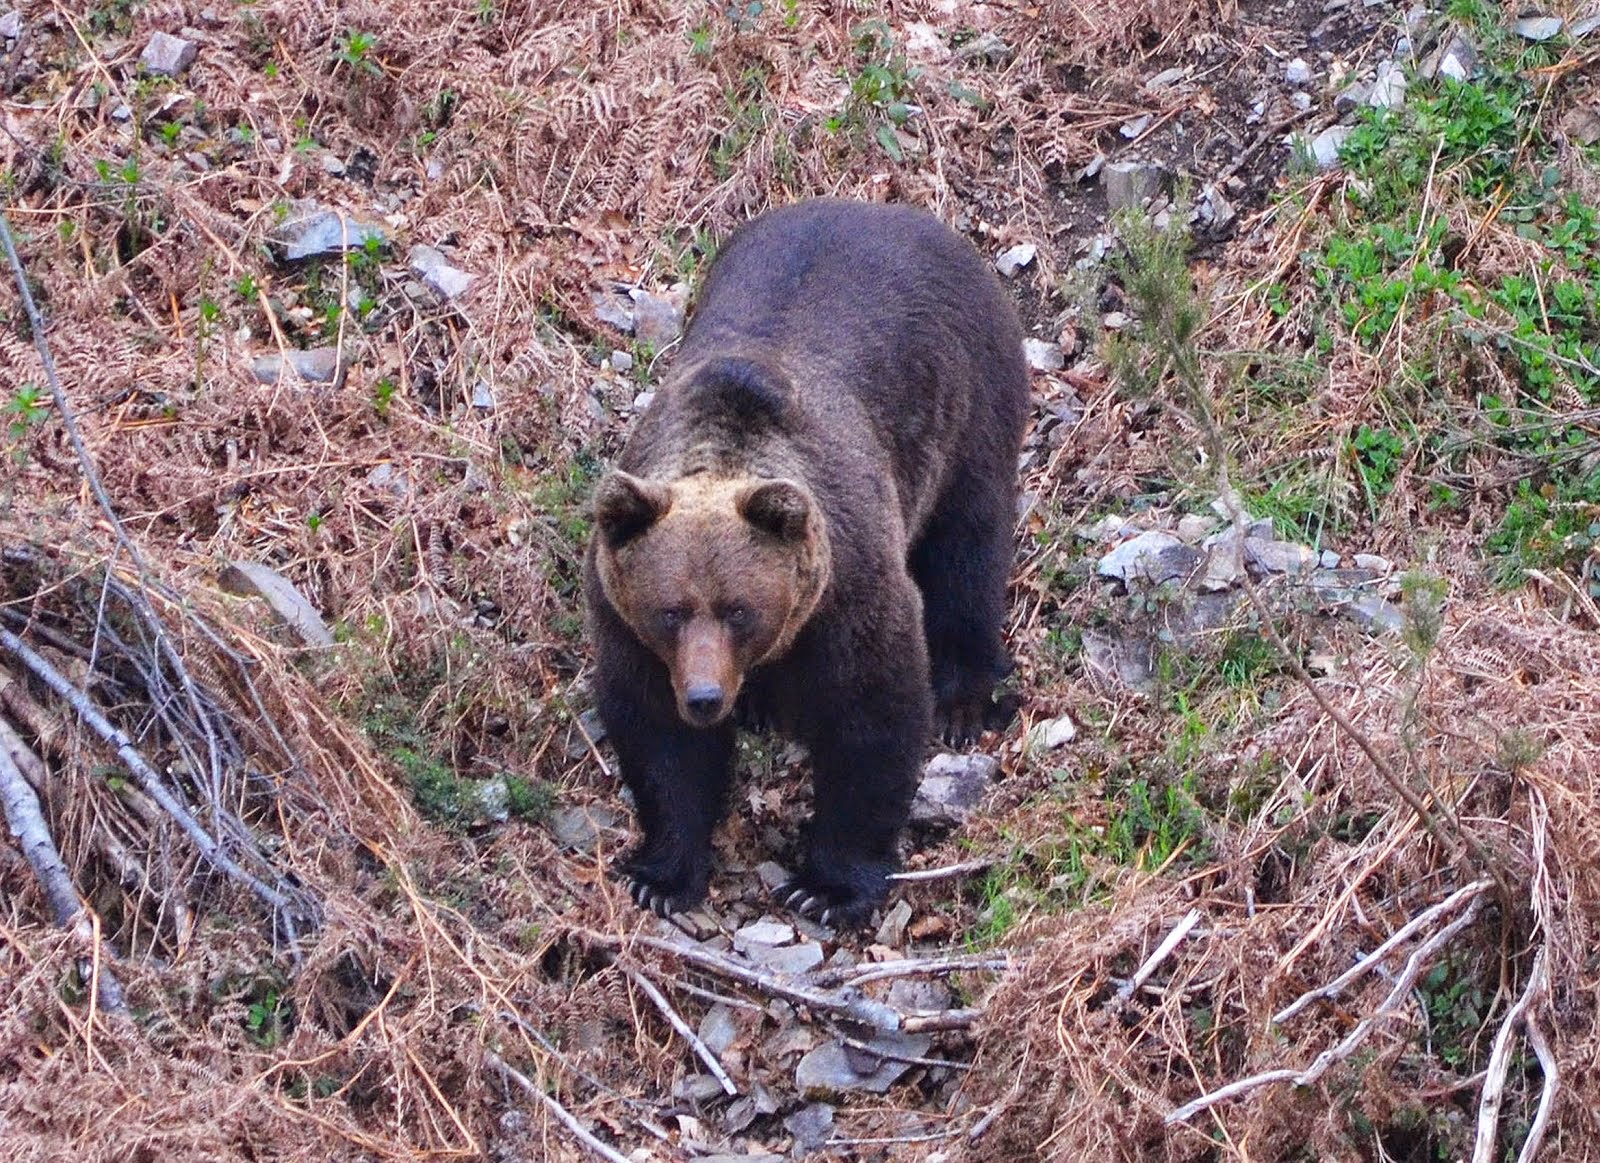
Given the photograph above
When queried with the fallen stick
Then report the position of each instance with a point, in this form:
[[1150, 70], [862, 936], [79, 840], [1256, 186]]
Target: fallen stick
[[1403, 985], [1494, 1085], [147, 776], [1162, 951], [563, 1115], [1547, 1093], [701, 1050], [966, 868], [845, 1003], [1375, 958], [27, 823], [907, 967]]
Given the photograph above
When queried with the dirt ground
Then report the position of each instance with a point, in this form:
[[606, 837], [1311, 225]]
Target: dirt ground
[[293, 667]]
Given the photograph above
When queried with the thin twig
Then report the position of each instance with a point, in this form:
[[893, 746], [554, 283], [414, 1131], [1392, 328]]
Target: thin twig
[[701, 1050], [966, 868], [1375, 958], [845, 1003], [1162, 951], [27, 823], [857, 976], [567, 1118]]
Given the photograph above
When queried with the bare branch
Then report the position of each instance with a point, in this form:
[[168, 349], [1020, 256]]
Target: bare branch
[[701, 1050], [567, 1118], [965, 868], [1375, 958], [27, 823], [1494, 1085], [1162, 951], [1547, 1094], [148, 778], [1403, 985]]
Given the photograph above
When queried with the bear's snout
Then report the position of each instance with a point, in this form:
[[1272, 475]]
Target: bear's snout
[[707, 673], [704, 701]]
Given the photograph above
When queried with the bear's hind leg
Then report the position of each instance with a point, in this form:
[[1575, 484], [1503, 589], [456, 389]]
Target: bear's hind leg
[[961, 564]]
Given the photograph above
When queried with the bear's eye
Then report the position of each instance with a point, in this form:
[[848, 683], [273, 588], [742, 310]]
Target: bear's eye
[[671, 621], [738, 617]]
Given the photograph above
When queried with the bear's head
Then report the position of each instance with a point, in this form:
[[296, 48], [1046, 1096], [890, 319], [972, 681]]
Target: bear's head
[[714, 574]]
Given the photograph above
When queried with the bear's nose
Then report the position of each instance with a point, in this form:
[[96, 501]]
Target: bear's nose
[[703, 700]]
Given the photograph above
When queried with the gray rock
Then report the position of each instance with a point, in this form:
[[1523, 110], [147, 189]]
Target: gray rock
[[494, 799], [621, 361], [772, 874], [1373, 562], [833, 1068], [593, 725], [768, 933], [719, 1029], [389, 479], [1174, 563], [1214, 209], [1193, 526], [1124, 562], [313, 232], [788, 959], [1457, 59], [167, 55], [11, 26], [483, 395], [615, 310], [1129, 185], [1052, 733], [643, 400], [1375, 615], [1011, 261], [1166, 78], [1538, 27], [893, 929], [1132, 129], [252, 579], [1297, 72], [657, 319], [435, 270], [1043, 355], [952, 786], [1582, 28], [767, 1157], [578, 829], [1224, 564], [1324, 148], [697, 1088], [811, 1125], [1581, 125], [1328, 559], [1352, 96], [1388, 87], [1279, 556], [319, 365]]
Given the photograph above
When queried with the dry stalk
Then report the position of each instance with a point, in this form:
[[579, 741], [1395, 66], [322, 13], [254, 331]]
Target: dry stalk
[[1162, 951]]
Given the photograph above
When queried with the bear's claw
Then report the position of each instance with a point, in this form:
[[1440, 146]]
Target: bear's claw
[[650, 898], [830, 907]]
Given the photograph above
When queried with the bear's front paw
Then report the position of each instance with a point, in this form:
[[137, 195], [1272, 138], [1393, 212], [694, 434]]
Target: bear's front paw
[[663, 891], [959, 722], [845, 902]]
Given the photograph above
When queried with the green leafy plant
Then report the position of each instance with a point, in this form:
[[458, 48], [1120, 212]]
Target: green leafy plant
[[356, 51]]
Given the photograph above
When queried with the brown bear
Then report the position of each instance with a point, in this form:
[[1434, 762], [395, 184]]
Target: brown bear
[[811, 525]]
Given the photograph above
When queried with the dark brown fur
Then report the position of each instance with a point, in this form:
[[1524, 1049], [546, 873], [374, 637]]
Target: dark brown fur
[[814, 520]]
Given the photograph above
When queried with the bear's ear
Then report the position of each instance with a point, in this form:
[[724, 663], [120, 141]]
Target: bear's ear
[[779, 507], [625, 506]]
